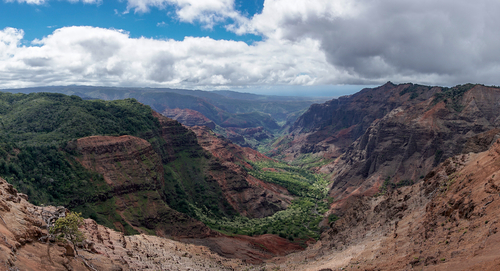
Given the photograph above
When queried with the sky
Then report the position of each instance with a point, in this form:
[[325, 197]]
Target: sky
[[266, 46]]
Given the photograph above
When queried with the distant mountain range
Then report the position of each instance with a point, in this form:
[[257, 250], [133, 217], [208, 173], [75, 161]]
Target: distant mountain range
[[232, 112]]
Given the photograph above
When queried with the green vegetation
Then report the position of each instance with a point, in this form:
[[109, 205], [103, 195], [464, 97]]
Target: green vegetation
[[250, 120], [298, 181], [298, 222], [190, 190], [104, 212], [333, 218], [309, 161], [66, 228], [415, 90], [48, 119], [277, 146], [38, 154], [452, 96]]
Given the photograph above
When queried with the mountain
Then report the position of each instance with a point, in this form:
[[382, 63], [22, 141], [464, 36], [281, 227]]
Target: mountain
[[448, 221], [391, 135], [391, 178]]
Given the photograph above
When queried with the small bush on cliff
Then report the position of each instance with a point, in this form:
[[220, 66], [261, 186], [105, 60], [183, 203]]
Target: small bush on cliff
[[66, 228], [333, 218]]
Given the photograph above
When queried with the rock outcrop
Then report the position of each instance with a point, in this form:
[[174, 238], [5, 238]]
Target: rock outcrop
[[188, 117], [328, 129], [412, 139]]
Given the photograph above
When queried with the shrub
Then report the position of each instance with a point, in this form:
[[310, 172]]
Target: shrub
[[66, 228]]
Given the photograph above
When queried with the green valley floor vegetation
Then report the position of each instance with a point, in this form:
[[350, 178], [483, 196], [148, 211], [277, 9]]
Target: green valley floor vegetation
[[299, 222]]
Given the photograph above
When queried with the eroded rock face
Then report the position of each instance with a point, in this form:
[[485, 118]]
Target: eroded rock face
[[412, 139], [146, 252], [188, 117], [328, 129], [127, 163], [393, 132], [242, 132], [134, 171], [247, 194], [138, 184]]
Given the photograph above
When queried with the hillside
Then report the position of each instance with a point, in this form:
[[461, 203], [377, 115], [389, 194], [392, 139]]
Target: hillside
[[23, 229], [391, 178], [449, 221], [390, 135]]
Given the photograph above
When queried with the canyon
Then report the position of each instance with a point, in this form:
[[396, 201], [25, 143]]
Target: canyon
[[399, 177]]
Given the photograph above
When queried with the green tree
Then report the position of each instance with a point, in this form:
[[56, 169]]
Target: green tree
[[66, 228]]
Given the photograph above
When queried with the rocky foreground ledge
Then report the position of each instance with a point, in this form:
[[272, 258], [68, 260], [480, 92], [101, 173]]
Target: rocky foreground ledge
[[23, 246]]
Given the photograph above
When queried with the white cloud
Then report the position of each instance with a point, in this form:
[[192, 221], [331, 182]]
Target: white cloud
[[97, 56], [207, 12], [426, 41], [10, 39], [41, 2], [31, 2], [305, 42]]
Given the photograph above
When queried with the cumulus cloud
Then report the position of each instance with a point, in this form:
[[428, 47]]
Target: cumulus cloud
[[305, 42], [429, 41], [207, 12], [41, 2], [97, 56]]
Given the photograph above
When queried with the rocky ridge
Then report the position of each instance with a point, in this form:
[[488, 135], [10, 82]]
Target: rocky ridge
[[392, 134], [242, 132], [134, 171], [411, 140], [188, 117]]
